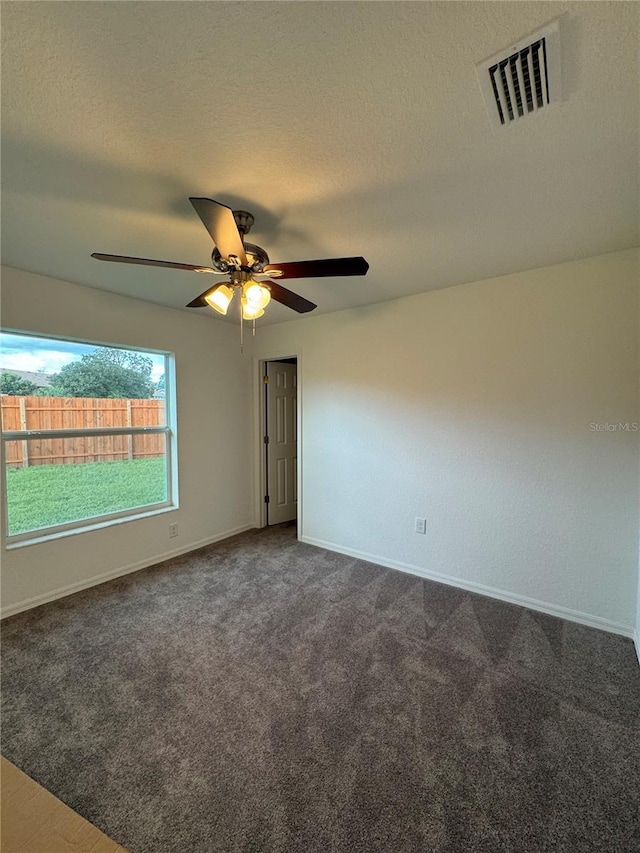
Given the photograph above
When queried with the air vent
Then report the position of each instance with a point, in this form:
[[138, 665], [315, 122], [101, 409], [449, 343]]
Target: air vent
[[522, 79]]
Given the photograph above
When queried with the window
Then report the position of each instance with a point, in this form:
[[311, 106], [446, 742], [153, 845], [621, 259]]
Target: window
[[88, 436]]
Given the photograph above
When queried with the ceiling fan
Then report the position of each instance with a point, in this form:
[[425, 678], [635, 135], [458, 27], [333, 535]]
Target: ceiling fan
[[241, 262]]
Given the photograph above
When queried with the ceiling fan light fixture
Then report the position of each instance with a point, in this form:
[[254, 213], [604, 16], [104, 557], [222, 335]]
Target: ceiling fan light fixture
[[219, 298], [251, 312], [241, 261], [257, 295]]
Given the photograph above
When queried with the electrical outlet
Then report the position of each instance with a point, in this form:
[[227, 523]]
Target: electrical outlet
[[421, 525], [173, 531]]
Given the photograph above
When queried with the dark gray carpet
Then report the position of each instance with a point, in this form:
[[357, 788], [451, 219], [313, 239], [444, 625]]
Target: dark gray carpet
[[264, 695]]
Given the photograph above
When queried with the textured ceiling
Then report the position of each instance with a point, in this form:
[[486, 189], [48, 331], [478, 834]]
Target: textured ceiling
[[346, 128]]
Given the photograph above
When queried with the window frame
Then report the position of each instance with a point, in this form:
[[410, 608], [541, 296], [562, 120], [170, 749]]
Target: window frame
[[168, 429]]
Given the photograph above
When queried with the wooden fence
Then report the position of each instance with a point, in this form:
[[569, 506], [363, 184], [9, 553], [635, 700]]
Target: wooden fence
[[28, 413]]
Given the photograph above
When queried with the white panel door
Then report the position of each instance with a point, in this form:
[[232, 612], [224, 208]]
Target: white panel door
[[282, 446]]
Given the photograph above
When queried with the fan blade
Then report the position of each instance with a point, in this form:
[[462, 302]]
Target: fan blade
[[121, 259], [324, 267], [219, 221], [290, 299]]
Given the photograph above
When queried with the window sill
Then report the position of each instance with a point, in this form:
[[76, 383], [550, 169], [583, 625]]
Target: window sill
[[21, 540]]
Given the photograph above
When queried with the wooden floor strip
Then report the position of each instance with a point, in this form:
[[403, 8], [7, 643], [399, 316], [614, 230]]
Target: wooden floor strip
[[34, 821]]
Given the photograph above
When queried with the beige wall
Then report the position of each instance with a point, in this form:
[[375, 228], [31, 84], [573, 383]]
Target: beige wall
[[471, 406], [213, 409]]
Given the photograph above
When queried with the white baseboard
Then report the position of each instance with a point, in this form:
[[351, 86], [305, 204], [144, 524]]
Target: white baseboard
[[501, 594], [62, 592]]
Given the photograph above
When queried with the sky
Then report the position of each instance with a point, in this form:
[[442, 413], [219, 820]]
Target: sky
[[47, 355]]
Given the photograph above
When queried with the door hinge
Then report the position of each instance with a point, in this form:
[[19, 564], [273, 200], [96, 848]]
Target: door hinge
[[266, 439], [265, 379], [266, 499]]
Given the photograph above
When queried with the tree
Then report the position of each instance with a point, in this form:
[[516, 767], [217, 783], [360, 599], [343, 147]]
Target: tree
[[106, 372], [11, 383]]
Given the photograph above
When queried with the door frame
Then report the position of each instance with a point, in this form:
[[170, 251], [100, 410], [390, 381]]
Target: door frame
[[259, 421]]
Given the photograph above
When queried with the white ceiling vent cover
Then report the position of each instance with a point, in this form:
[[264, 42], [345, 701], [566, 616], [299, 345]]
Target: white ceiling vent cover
[[523, 78]]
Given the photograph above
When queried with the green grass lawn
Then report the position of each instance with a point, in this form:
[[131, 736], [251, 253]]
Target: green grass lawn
[[45, 495]]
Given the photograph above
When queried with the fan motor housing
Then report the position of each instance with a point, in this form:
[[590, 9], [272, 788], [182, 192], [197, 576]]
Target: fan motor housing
[[257, 258]]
